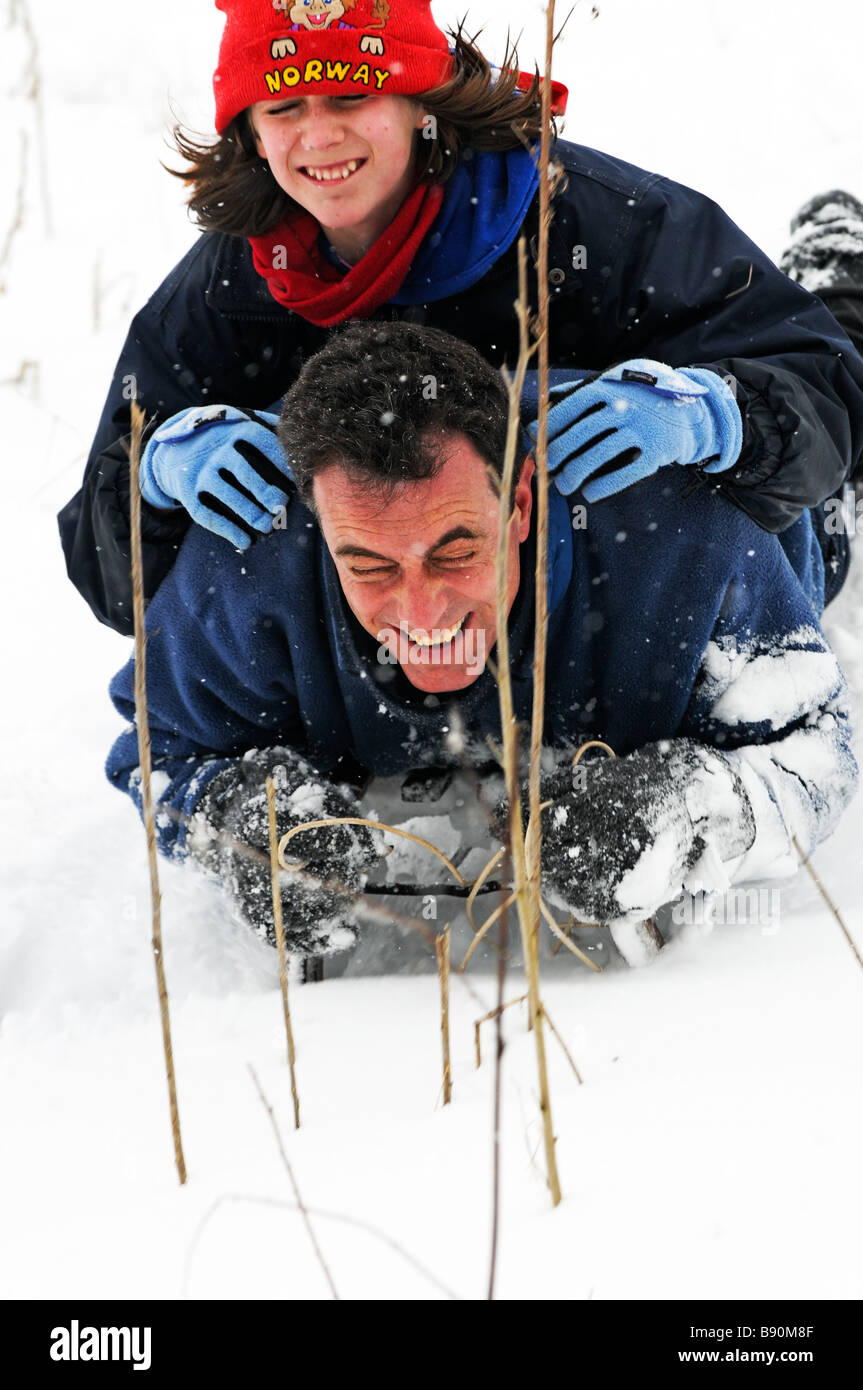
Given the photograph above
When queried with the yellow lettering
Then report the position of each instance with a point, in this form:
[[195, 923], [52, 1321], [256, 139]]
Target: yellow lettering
[[290, 76], [274, 82], [314, 70], [361, 74], [337, 71], [381, 76]]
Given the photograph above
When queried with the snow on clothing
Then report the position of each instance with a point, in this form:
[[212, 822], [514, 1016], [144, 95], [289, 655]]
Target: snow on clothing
[[669, 619], [235, 807], [667, 276]]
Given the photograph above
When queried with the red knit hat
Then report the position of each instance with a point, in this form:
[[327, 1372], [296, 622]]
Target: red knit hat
[[275, 48]]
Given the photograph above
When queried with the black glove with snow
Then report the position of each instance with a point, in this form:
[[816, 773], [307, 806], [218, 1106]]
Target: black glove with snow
[[235, 807], [622, 835]]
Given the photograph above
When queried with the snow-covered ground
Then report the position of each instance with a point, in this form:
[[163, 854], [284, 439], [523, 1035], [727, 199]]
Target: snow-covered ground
[[713, 1148]]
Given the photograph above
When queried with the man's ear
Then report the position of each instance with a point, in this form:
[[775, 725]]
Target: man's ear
[[523, 504]]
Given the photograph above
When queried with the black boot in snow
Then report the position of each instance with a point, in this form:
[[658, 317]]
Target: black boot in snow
[[826, 246]]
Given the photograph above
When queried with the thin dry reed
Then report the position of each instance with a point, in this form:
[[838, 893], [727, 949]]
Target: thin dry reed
[[290, 1172], [280, 943], [442, 953], [143, 723]]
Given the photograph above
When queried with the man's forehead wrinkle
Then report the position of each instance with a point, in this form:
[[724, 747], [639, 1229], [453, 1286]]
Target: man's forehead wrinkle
[[425, 532], [414, 519], [423, 511]]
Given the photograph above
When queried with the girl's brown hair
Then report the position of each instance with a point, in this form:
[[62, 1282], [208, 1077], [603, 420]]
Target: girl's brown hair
[[479, 107]]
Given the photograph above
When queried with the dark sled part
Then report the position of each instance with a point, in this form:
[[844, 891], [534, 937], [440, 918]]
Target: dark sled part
[[426, 784]]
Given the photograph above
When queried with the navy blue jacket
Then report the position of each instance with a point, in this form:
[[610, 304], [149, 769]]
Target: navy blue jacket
[[667, 275], [668, 618]]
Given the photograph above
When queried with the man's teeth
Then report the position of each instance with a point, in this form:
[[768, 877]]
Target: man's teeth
[[438, 637], [327, 175]]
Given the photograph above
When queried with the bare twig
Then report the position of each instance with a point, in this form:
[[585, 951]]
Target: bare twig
[[322, 1214], [489, 921], [486, 1018], [569, 15], [537, 724], [442, 952], [565, 929], [479, 881], [280, 942], [143, 724], [563, 1045], [303, 1209], [527, 863], [509, 731], [20, 10], [17, 222], [828, 900], [565, 940], [502, 943]]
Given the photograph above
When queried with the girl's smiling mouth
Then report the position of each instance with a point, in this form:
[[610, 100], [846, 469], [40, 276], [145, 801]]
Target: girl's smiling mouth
[[332, 173]]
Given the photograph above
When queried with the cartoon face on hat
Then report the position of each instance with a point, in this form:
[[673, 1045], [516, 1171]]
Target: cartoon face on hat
[[312, 14], [326, 48], [319, 15]]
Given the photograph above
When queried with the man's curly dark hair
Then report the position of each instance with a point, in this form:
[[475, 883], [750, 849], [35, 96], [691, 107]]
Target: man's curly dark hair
[[380, 398]]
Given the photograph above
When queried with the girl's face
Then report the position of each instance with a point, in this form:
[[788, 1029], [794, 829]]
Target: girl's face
[[347, 160]]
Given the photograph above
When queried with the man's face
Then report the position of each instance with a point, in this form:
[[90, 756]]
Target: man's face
[[418, 566]]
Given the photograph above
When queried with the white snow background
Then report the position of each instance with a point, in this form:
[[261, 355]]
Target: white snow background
[[713, 1150]]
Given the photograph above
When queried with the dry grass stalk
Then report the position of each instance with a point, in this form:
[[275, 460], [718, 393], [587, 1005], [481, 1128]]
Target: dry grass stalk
[[143, 723], [442, 953], [828, 900], [592, 743], [509, 732], [375, 825], [478, 882], [489, 921], [280, 942], [502, 952], [525, 850], [565, 929], [19, 11], [566, 1051], [16, 224], [537, 723], [486, 1018], [290, 1172], [566, 941]]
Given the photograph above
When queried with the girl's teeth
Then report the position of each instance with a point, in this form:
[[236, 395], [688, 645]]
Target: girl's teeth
[[327, 175]]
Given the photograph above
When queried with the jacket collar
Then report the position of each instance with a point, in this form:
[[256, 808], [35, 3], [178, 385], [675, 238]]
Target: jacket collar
[[486, 202]]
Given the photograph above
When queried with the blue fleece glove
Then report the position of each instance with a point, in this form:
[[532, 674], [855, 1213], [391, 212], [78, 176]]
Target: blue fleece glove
[[223, 464], [612, 429]]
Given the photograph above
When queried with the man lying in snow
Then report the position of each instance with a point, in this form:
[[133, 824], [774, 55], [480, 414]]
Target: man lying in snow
[[679, 632]]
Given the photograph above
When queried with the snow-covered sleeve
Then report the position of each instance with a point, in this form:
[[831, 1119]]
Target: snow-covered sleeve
[[771, 695]]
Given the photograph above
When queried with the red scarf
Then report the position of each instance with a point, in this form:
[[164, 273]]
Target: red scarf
[[313, 287]]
